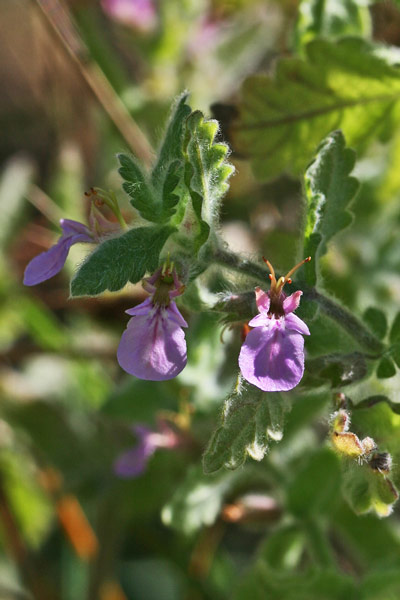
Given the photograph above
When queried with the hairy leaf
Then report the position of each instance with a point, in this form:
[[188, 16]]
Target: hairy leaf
[[171, 146], [338, 85], [155, 198], [329, 190], [250, 419], [119, 260], [207, 171], [142, 197]]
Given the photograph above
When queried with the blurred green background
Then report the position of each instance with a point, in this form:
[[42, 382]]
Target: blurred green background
[[69, 528]]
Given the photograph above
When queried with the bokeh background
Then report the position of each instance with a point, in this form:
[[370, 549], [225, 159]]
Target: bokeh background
[[70, 528]]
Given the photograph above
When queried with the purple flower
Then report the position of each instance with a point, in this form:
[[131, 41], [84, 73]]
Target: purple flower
[[272, 355], [140, 14], [134, 462], [49, 263], [153, 345]]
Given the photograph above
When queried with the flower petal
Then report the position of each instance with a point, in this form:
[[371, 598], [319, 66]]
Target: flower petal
[[141, 309], [49, 263], [292, 302], [261, 320], [272, 359], [295, 324], [70, 227], [153, 346], [262, 300], [175, 315]]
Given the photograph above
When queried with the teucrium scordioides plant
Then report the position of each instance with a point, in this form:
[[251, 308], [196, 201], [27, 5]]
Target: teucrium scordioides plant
[[171, 243]]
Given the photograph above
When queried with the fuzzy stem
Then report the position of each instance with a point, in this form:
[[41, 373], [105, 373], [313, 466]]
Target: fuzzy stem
[[347, 320], [231, 260]]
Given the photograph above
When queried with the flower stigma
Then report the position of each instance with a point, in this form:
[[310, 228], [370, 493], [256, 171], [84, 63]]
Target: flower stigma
[[275, 293]]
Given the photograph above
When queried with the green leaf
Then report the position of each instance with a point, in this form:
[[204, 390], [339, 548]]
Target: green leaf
[[119, 260], [386, 368], [330, 18], [338, 85], [314, 490], [329, 190], [155, 198], [394, 335], [207, 171], [142, 197], [250, 419], [376, 321], [198, 501], [156, 206], [171, 147]]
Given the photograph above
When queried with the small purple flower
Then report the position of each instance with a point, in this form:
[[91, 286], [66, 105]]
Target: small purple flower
[[153, 346], [140, 14], [272, 355], [49, 263], [134, 462]]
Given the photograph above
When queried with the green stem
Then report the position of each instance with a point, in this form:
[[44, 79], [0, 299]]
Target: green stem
[[347, 320], [231, 260]]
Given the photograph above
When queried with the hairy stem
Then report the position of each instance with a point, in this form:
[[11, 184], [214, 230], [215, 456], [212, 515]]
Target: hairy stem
[[347, 320], [233, 261]]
